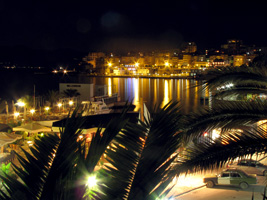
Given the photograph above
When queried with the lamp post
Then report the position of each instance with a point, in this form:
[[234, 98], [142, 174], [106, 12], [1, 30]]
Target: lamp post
[[22, 104], [32, 111], [16, 114], [59, 106], [71, 104], [47, 109]]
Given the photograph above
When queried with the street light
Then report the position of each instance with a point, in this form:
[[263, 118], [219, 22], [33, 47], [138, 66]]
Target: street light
[[70, 103], [32, 111], [59, 106], [22, 104], [167, 64], [136, 64], [47, 109], [16, 114]]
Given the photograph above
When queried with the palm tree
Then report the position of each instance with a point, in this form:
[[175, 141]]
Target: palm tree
[[71, 93], [231, 116], [237, 82], [139, 159], [2, 105], [52, 97]]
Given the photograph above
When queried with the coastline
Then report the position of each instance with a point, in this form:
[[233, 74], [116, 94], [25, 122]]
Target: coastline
[[145, 76]]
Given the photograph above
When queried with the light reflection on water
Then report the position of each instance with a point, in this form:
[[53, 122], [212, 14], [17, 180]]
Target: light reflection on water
[[109, 87], [155, 91]]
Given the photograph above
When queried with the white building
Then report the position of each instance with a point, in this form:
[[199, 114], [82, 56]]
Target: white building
[[86, 90]]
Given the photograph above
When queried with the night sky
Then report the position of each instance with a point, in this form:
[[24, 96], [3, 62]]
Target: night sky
[[130, 25]]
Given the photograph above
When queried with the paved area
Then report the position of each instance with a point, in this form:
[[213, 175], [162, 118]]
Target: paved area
[[188, 183]]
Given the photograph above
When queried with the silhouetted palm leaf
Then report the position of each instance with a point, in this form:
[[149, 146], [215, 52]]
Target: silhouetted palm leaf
[[46, 171], [35, 168], [213, 154], [229, 81], [141, 157], [225, 114]]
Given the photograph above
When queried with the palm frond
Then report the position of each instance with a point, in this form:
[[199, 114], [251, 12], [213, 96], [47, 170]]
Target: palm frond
[[239, 93], [62, 169], [162, 140], [123, 155], [224, 114], [140, 157], [215, 153], [238, 76], [34, 169], [101, 144], [48, 169]]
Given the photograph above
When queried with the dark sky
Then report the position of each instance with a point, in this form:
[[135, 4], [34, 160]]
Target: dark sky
[[130, 25]]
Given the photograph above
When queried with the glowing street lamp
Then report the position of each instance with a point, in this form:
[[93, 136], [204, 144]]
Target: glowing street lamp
[[59, 106], [32, 111], [71, 103], [167, 64], [22, 104], [136, 64], [110, 64], [16, 114], [47, 109]]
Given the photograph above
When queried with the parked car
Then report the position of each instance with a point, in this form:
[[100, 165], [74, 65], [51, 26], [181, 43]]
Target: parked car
[[250, 166], [231, 176]]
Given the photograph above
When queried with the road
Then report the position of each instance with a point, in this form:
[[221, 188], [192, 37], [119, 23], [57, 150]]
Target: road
[[226, 192]]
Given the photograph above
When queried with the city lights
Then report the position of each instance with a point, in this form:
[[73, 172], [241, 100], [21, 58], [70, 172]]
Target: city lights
[[167, 64]]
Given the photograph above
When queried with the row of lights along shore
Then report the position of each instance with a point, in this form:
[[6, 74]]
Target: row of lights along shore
[[32, 111]]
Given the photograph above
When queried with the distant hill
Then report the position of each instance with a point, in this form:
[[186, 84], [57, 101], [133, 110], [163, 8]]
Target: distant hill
[[25, 56]]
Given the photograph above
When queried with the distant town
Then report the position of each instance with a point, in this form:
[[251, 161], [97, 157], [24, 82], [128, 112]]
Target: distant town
[[186, 61], [183, 62]]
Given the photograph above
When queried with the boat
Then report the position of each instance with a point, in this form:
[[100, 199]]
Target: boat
[[119, 106], [95, 108]]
